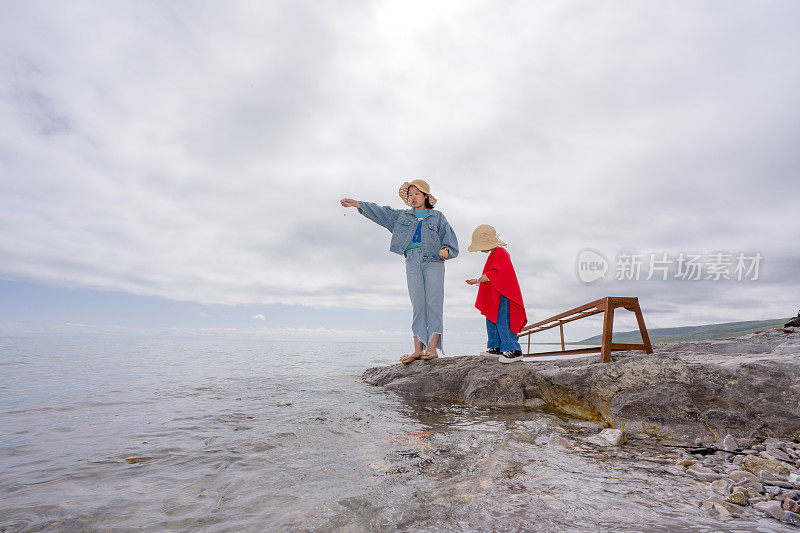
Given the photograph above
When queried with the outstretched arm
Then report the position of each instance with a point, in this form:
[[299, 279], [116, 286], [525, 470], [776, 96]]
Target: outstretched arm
[[380, 214]]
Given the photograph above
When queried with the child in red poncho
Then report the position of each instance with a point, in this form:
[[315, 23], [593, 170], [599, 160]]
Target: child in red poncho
[[499, 296]]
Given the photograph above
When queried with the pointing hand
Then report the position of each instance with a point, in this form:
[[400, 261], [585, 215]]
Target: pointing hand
[[349, 202]]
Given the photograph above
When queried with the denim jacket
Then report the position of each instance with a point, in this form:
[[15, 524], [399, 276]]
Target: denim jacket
[[436, 231]]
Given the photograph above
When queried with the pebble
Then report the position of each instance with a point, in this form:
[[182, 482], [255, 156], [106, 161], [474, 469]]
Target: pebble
[[772, 509], [741, 475], [608, 437], [766, 475], [791, 505], [721, 486], [723, 507], [704, 475], [738, 497], [781, 484], [772, 490], [777, 454], [791, 518], [685, 462], [753, 489], [754, 464], [729, 444]]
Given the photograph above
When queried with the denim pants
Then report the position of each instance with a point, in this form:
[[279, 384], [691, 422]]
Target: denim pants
[[426, 289], [500, 334]]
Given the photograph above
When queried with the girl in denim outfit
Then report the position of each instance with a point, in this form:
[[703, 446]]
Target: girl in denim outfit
[[425, 238]]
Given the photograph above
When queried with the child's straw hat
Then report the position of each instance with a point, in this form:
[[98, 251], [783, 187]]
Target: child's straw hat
[[419, 184], [484, 238]]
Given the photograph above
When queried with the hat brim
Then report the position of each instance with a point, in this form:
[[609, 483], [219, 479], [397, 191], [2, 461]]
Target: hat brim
[[403, 192], [481, 246]]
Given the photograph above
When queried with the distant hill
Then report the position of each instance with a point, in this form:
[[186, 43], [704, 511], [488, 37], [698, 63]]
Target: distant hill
[[693, 333]]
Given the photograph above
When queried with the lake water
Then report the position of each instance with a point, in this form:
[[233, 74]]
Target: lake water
[[252, 435]]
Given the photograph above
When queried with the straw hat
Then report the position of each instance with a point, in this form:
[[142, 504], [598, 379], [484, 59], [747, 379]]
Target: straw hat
[[484, 238], [419, 184]]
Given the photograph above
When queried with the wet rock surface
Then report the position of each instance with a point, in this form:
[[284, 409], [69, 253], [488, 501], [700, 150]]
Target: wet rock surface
[[747, 387], [540, 472]]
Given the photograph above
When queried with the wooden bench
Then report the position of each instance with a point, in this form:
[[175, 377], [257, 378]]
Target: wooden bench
[[603, 305]]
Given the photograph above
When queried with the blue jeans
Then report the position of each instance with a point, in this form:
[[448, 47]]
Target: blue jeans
[[500, 335], [426, 289]]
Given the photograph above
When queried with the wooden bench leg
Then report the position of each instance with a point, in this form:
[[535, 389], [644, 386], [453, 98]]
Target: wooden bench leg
[[648, 348], [608, 332]]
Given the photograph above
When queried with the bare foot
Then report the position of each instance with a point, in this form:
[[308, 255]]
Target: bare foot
[[411, 357], [427, 356], [430, 352]]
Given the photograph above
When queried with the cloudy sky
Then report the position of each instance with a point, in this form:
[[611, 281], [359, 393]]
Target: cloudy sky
[[176, 166]]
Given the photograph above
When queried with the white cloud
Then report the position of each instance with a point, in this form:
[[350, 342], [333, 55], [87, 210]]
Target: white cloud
[[259, 316], [199, 154]]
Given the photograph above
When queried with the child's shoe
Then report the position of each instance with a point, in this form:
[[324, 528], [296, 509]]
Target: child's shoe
[[492, 352], [510, 356]]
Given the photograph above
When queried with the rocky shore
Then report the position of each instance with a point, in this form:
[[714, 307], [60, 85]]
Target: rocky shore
[[725, 413], [748, 387], [764, 476]]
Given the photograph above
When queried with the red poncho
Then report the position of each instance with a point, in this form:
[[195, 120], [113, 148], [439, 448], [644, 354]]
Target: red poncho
[[502, 281]]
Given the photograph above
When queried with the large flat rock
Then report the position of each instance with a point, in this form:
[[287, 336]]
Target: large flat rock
[[745, 386]]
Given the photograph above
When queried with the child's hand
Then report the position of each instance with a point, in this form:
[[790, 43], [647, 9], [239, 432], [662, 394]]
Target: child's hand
[[444, 253], [349, 202], [472, 281]]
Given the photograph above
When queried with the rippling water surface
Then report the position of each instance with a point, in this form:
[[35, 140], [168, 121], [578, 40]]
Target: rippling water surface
[[228, 435]]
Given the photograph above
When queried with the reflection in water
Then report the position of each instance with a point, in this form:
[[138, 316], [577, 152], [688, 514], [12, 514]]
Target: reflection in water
[[243, 436]]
